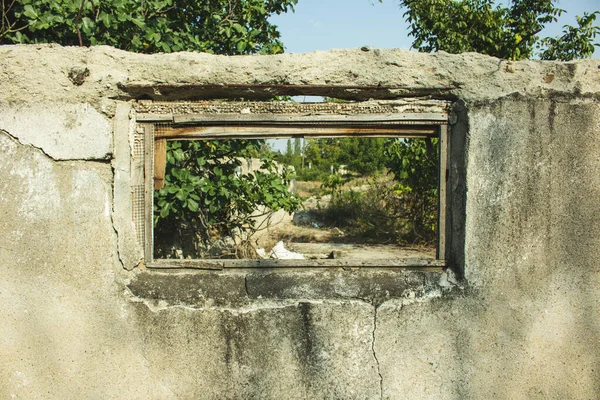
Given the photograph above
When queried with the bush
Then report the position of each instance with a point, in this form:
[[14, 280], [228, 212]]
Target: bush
[[414, 163], [312, 174], [206, 200], [381, 214]]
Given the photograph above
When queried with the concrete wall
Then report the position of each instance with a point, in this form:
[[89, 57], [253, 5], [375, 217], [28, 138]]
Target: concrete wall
[[516, 316]]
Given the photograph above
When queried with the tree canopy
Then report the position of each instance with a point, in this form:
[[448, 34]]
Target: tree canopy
[[509, 32], [147, 26]]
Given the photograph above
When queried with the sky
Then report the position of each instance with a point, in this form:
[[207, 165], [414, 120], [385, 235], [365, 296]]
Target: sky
[[338, 24]]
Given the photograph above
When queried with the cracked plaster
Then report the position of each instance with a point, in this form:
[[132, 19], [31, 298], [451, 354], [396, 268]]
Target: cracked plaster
[[65, 132], [523, 325]]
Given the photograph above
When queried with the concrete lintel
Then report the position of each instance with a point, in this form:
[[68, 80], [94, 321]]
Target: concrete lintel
[[350, 74], [181, 91]]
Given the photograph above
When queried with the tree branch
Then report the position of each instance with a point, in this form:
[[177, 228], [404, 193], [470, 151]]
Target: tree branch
[[11, 30], [3, 17], [77, 23]]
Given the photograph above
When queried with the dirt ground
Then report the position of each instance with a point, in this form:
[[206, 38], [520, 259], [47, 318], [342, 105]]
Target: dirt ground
[[302, 233]]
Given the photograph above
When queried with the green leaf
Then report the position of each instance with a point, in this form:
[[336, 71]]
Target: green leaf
[[29, 12], [181, 195], [88, 24], [138, 22], [192, 205], [239, 28], [105, 18], [178, 155], [241, 46], [164, 212]]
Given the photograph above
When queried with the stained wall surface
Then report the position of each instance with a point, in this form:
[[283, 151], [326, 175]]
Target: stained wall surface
[[517, 314]]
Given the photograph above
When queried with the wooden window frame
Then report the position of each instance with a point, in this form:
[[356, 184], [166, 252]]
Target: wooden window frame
[[272, 126]]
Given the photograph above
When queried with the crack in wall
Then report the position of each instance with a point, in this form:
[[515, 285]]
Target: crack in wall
[[17, 140], [112, 219], [265, 304], [106, 160], [375, 353]]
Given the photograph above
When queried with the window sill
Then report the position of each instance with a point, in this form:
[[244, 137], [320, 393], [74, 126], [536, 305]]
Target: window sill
[[221, 264], [242, 287]]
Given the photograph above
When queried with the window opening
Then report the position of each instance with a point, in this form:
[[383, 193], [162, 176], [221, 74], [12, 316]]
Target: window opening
[[347, 206]]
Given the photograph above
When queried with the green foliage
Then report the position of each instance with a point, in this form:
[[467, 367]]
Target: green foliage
[[297, 146], [206, 192], [364, 156], [506, 32], [414, 163], [574, 42], [311, 174], [147, 26], [378, 214], [333, 182]]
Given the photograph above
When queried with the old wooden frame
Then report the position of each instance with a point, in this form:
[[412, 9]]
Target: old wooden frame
[[223, 126]]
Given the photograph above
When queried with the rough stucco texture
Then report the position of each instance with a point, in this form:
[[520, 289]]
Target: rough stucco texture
[[63, 327], [70, 132], [524, 323], [530, 326]]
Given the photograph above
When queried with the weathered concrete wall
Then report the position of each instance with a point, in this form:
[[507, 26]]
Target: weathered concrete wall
[[522, 320]]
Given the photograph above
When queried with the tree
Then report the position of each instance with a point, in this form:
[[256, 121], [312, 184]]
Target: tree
[[297, 146], [365, 156], [203, 192], [362, 155], [510, 32], [147, 26], [575, 42]]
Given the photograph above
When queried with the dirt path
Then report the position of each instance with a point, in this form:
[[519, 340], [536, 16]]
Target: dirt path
[[303, 233]]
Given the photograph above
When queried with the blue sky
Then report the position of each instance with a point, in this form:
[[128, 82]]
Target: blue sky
[[337, 24]]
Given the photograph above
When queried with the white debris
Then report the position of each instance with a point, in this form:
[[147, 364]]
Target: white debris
[[281, 253], [261, 253]]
